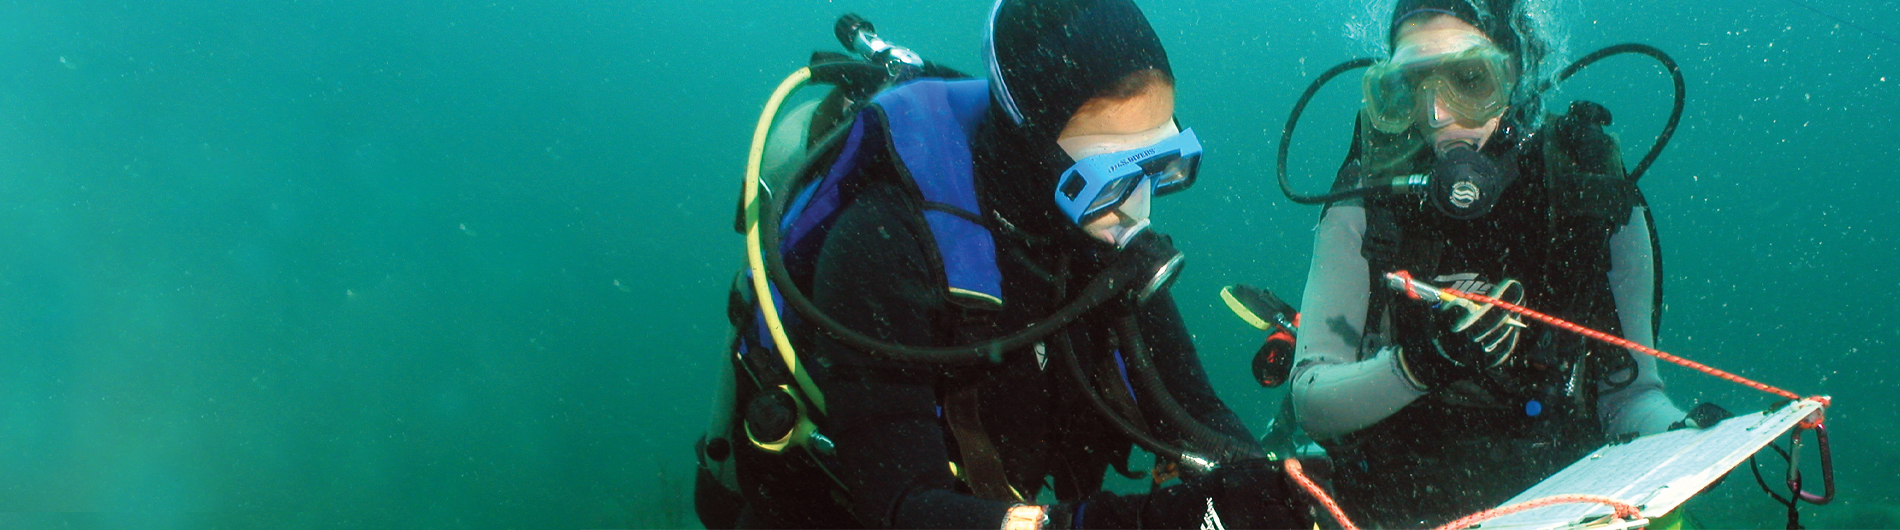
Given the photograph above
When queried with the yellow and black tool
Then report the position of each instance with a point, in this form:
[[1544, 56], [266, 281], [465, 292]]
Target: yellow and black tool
[[1261, 309]]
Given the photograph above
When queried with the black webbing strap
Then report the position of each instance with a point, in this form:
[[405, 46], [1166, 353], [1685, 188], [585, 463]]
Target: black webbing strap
[[982, 468]]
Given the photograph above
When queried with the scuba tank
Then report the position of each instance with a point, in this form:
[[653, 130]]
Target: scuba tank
[[788, 137]]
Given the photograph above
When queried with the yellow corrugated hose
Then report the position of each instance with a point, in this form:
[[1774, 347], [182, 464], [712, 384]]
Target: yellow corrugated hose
[[754, 251]]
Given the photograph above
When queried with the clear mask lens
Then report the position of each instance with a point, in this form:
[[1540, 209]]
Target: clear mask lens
[[1474, 83], [1097, 184]]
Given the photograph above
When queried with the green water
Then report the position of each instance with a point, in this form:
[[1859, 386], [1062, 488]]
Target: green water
[[405, 264]]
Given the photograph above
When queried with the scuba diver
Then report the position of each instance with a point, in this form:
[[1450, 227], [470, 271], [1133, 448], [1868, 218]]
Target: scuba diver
[[1457, 177], [978, 308]]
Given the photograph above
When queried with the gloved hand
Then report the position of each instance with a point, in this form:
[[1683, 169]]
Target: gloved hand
[[1702, 416], [1245, 494], [1482, 336]]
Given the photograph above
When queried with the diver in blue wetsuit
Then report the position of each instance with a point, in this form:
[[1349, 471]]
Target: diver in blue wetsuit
[[956, 212], [1430, 414]]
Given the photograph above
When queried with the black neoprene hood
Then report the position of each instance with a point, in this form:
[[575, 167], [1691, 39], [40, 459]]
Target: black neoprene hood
[[1047, 57]]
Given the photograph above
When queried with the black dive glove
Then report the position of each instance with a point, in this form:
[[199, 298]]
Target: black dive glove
[[1246, 494], [1482, 336], [1702, 417]]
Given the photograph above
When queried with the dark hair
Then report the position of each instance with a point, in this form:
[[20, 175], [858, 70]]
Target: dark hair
[[1134, 84], [1493, 18]]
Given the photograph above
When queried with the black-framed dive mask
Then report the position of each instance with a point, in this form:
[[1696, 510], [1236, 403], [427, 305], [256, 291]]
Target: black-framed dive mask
[[1475, 83]]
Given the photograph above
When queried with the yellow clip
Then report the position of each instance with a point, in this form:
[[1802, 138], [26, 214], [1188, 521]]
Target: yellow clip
[[1240, 309]]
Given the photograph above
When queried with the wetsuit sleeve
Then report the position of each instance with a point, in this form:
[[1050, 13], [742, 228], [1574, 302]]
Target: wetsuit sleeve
[[1334, 392], [891, 453], [1641, 407], [1179, 366]]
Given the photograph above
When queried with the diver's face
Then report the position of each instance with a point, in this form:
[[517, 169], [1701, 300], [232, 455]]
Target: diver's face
[[1425, 37], [1133, 122]]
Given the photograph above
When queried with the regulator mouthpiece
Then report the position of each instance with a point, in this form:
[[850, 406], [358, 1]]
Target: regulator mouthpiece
[[1466, 184], [850, 28], [1158, 259], [859, 36]]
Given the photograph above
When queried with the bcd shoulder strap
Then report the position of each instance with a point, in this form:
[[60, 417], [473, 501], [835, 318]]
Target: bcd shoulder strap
[[931, 124], [982, 468], [1584, 172]]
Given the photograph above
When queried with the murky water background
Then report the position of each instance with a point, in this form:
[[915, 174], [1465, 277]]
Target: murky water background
[[318, 264]]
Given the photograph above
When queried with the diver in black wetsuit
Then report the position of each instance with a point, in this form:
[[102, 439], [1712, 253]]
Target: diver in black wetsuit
[[1077, 138], [1431, 414]]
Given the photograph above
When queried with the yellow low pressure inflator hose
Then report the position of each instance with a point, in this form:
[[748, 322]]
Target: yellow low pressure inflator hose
[[754, 248]]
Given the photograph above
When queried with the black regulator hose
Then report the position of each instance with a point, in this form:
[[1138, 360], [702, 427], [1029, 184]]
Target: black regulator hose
[[1655, 150], [1134, 269], [1142, 366], [1105, 287], [1292, 119], [1135, 433], [1675, 75]]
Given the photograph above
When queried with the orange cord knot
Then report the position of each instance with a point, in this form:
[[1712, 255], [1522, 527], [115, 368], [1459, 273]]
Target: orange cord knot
[[1814, 420], [1409, 291]]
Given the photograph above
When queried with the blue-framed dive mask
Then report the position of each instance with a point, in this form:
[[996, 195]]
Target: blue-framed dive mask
[[1097, 184]]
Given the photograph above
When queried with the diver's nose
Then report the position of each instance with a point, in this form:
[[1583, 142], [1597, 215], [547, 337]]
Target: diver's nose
[[1439, 115], [1139, 203]]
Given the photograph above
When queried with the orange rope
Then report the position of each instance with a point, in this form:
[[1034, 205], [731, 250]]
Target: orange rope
[[1623, 510], [1619, 341], [1299, 476]]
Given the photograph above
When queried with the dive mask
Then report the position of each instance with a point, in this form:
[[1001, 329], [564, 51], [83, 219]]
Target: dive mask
[[1107, 173], [1475, 83]]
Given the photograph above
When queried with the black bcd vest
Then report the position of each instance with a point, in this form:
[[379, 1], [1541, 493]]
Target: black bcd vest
[[1473, 444]]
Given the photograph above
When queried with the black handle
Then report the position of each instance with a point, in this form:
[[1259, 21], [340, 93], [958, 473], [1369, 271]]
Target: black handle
[[848, 28]]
